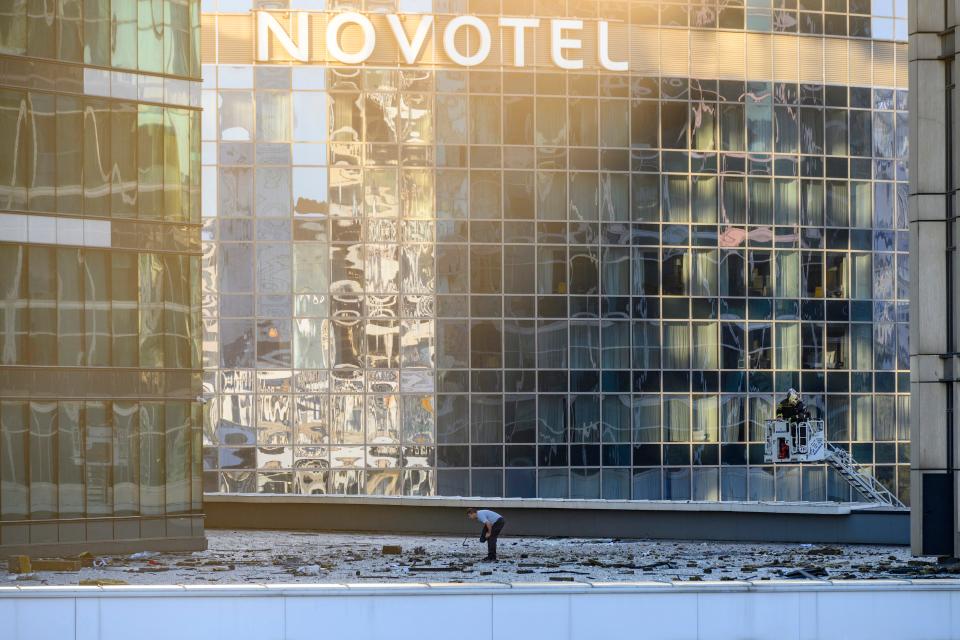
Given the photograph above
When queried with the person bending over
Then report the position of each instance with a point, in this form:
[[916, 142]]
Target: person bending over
[[492, 526]]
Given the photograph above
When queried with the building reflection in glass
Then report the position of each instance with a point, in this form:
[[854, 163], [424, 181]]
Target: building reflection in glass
[[531, 283]]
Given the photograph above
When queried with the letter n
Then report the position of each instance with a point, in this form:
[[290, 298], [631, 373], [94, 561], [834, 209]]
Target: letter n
[[267, 23]]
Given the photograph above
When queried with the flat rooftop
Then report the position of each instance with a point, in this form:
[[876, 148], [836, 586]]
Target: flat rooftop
[[290, 557]]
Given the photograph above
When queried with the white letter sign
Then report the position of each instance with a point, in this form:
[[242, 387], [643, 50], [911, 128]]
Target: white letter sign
[[467, 39], [519, 45], [266, 24], [333, 37], [410, 50], [450, 44], [558, 43], [604, 45]]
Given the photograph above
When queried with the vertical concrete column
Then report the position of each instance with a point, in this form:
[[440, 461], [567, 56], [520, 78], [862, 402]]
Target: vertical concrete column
[[933, 175]]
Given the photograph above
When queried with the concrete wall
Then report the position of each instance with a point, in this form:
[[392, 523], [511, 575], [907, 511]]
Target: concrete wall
[[934, 369], [854, 610], [769, 522]]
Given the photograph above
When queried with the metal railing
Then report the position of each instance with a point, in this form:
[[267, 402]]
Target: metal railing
[[859, 476]]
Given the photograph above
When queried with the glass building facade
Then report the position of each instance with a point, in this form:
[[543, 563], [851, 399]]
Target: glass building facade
[[501, 281], [100, 261]]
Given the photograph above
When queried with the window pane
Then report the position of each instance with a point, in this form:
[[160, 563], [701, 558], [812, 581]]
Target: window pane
[[552, 345], [43, 460], [42, 287], [151, 455], [673, 124], [15, 438], [176, 167], [585, 418], [122, 158], [615, 338], [150, 151], [552, 419], [70, 458], [732, 127], [706, 348], [177, 37], [123, 20], [150, 31], [551, 122], [42, 151]]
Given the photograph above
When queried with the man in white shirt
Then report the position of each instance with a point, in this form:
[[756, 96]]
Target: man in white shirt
[[492, 525]]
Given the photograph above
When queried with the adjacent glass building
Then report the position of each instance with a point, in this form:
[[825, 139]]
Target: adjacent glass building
[[524, 281], [100, 381]]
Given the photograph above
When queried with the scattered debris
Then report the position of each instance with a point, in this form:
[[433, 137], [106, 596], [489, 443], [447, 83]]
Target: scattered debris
[[21, 576], [278, 556], [19, 564], [656, 565], [308, 570], [55, 564], [86, 559], [579, 573], [101, 582], [810, 573]]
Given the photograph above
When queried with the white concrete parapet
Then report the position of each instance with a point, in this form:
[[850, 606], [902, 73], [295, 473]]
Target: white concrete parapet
[[756, 610]]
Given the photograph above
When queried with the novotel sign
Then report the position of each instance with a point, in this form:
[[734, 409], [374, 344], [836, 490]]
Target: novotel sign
[[565, 40]]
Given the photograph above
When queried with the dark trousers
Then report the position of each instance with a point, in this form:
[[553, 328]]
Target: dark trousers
[[495, 530]]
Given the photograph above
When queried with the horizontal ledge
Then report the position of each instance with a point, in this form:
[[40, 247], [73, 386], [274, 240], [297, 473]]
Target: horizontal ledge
[[799, 508], [413, 589], [94, 519]]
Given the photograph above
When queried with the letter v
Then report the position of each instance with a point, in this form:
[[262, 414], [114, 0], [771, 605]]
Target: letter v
[[410, 50]]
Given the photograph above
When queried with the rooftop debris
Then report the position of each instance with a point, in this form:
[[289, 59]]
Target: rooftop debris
[[54, 564], [101, 582], [306, 557], [19, 564]]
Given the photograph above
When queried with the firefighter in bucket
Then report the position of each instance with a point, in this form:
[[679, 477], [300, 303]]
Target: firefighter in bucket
[[792, 410]]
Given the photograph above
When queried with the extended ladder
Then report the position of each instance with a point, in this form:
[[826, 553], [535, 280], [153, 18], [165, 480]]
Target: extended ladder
[[865, 484]]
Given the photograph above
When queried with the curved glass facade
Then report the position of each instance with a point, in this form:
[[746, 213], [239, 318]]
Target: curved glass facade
[[100, 264], [525, 281], [151, 36]]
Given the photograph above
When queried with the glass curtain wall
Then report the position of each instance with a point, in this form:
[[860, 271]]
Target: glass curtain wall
[[532, 283], [153, 36], [100, 269]]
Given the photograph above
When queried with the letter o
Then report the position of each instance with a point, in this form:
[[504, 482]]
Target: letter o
[[450, 46], [333, 42]]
